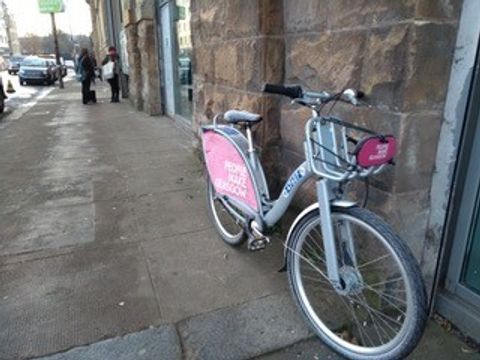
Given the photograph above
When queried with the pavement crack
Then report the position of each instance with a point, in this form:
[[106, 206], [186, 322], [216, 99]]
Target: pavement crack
[[152, 284]]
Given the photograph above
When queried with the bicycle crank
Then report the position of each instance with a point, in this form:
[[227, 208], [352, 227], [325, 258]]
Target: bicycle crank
[[256, 240]]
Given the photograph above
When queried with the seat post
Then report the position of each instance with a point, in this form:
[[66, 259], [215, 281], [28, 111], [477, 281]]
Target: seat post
[[248, 129], [251, 149]]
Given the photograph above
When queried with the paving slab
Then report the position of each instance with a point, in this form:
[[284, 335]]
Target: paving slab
[[174, 212], [195, 273], [436, 344], [245, 331], [45, 227], [115, 221], [151, 344], [171, 177], [52, 304]]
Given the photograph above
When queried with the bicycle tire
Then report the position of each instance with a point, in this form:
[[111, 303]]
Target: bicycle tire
[[409, 333], [233, 239]]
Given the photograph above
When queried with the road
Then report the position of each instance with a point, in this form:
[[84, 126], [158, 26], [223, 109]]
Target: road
[[24, 97]]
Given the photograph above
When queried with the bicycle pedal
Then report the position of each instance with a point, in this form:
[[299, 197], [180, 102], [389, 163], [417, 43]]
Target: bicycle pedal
[[258, 243]]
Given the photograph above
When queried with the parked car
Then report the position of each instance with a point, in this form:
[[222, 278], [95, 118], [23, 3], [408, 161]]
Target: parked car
[[54, 59], [53, 68], [70, 64], [34, 69], [14, 64]]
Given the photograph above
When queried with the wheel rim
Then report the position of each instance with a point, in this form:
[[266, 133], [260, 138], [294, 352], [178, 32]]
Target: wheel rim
[[225, 222], [353, 321]]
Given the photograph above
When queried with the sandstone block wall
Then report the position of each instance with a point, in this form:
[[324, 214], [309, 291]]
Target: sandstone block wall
[[144, 76], [398, 52], [238, 47]]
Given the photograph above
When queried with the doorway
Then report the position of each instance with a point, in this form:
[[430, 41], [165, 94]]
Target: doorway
[[459, 300], [176, 57]]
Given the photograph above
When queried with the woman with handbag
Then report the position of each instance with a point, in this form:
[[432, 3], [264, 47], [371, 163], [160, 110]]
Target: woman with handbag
[[85, 72], [111, 71]]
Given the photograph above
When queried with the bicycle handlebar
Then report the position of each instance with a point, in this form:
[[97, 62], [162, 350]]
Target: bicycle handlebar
[[308, 98], [293, 92]]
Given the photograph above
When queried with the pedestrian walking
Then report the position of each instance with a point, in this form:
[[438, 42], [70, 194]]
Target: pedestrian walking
[[111, 73], [85, 72]]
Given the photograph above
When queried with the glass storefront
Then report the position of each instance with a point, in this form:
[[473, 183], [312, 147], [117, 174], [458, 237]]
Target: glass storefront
[[471, 271], [183, 86]]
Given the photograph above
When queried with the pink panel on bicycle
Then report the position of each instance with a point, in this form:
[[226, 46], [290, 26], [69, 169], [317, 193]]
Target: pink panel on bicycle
[[376, 150], [227, 170]]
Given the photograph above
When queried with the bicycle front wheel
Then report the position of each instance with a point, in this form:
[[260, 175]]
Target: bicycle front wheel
[[381, 312]]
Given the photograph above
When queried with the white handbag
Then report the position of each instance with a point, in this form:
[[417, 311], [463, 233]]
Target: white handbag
[[107, 70]]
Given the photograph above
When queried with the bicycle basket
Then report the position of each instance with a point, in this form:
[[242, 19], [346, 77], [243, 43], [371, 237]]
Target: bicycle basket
[[335, 152]]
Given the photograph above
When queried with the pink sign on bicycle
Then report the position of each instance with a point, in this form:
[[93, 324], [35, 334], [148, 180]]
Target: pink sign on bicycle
[[376, 150], [227, 170]]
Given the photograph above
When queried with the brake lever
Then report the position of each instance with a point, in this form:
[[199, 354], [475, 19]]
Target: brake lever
[[305, 102]]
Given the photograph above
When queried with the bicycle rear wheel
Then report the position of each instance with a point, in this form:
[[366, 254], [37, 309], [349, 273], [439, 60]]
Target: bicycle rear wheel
[[381, 313], [226, 225]]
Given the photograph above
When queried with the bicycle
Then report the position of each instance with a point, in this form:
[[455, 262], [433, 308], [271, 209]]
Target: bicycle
[[354, 280]]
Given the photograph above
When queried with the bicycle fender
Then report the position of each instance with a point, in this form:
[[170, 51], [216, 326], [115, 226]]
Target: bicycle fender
[[305, 212]]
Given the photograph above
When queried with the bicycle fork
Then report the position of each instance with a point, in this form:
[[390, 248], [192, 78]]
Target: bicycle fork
[[345, 240]]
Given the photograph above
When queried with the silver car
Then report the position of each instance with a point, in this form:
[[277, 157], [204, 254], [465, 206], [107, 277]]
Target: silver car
[[14, 64]]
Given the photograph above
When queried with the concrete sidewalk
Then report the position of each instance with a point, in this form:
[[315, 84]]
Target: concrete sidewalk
[[104, 235]]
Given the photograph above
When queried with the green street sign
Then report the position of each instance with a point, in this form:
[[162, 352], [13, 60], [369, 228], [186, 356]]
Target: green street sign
[[51, 6]]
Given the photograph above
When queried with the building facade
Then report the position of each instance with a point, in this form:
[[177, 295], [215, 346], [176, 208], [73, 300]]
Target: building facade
[[4, 48], [129, 26], [9, 43], [416, 59]]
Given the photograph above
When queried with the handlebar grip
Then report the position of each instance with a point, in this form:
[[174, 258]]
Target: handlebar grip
[[293, 92]]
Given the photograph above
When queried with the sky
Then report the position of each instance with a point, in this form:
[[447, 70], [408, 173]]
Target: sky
[[75, 20]]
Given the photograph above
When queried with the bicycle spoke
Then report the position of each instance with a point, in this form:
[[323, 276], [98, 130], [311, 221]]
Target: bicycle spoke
[[395, 306], [319, 257], [375, 325], [384, 295], [318, 281], [308, 262], [315, 245], [373, 261], [357, 322], [386, 282], [380, 314]]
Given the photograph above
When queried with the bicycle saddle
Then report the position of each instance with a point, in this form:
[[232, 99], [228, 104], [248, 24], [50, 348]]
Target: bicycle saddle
[[238, 116]]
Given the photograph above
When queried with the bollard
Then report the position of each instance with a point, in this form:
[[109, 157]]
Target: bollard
[[10, 88]]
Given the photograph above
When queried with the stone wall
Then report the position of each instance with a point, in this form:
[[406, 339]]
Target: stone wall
[[398, 52], [238, 46], [99, 28], [144, 75]]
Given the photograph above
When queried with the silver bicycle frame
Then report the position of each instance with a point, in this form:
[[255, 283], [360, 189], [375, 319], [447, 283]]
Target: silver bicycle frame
[[321, 163], [270, 211]]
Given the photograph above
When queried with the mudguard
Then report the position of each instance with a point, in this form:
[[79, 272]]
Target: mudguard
[[226, 152]]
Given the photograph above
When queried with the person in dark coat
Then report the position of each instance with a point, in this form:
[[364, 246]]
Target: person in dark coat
[[3, 96], [114, 82], [86, 72]]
